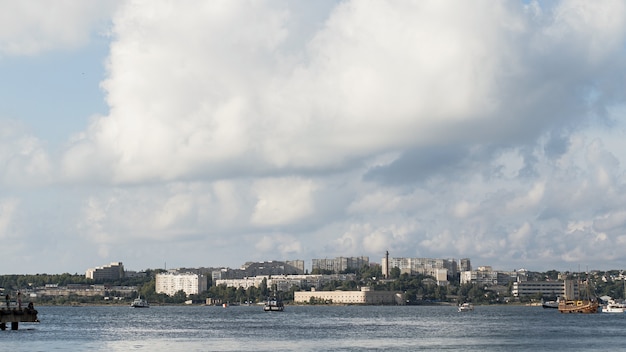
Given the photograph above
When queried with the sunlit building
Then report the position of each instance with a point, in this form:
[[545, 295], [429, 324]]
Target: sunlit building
[[190, 283], [113, 271]]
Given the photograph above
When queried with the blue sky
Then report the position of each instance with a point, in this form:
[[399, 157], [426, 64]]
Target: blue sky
[[215, 133]]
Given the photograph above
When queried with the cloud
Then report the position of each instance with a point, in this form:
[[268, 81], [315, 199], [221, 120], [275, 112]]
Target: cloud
[[32, 27], [282, 201], [428, 128], [25, 160], [8, 208]]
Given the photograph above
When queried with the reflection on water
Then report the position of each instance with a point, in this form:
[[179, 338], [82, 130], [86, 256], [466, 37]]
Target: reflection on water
[[317, 328]]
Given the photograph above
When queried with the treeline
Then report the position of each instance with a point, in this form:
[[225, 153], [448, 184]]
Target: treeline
[[418, 289]]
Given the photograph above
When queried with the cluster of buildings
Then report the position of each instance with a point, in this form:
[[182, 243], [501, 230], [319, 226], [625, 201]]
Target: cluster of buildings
[[284, 275]]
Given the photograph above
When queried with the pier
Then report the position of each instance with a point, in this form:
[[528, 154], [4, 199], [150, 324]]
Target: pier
[[16, 315]]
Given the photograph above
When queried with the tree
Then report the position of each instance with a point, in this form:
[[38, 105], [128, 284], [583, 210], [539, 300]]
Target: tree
[[394, 273]]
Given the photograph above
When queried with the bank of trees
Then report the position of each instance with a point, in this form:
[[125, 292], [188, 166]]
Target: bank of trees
[[417, 288]]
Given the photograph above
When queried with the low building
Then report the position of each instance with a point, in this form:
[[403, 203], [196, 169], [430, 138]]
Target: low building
[[364, 296]]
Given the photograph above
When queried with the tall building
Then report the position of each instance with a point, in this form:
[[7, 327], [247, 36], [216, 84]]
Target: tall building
[[113, 271], [340, 264], [190, 283], [441, 269], [465, 264]]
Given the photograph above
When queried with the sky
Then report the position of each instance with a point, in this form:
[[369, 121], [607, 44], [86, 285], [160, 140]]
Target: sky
[[212, 133]]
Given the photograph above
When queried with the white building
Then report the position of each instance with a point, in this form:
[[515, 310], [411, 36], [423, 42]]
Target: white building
[[364, 296], [170, 283]]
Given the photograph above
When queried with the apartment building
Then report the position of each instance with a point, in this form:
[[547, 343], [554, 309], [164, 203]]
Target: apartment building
[[172, 282], [340, 264], [443, 270], [113, 271]]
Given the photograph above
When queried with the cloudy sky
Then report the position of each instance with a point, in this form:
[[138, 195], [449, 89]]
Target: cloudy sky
[[211, 133]]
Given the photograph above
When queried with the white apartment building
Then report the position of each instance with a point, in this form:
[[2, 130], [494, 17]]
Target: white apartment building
[[170, 283]]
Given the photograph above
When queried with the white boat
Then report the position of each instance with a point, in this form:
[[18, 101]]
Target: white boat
[[550, 304], [466, 307], [140, 303], [614, 307]]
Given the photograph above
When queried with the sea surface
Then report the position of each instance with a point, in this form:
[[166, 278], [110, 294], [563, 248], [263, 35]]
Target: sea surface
[[316, 328]]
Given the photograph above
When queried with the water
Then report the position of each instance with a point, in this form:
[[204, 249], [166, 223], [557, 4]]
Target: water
[[316, 328]]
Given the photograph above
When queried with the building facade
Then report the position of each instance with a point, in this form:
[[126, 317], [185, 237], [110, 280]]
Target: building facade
[[485, 275], [113, 271], [272, 267], [286, 282], [171, 282], [443, 270], [545, 288], [340, 264], [364, 296]]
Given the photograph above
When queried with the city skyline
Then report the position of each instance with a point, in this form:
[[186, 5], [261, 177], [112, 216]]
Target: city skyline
[[211, 133]]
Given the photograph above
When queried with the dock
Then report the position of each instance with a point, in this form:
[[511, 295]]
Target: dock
[[16, 315]]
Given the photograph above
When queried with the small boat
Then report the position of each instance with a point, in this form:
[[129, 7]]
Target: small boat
[[466, 307], [273, 304], [140, 303], [550, 304], [614, 307]]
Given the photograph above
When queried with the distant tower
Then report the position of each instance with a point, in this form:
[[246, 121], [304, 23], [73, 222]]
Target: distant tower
[[386, 265]]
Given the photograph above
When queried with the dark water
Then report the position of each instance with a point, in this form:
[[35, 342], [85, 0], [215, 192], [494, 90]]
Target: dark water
[[318, 328]]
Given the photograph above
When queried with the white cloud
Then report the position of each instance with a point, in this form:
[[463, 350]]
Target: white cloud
[[8, 208], [25, 160], [439, 129], [31, 27], [282, 201]]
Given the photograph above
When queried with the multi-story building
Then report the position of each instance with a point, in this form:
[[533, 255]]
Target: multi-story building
[[443, 270], [485, 275], [172, 282], [272, 267], [567, 288], [285, 282], [340, 264], [113, 271], [465, 264]]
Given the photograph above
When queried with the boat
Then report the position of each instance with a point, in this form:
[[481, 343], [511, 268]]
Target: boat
[[273, 304], [550, 304], [578, 306], [614, 307], [466, 307], [581, 304], [140, 303]]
